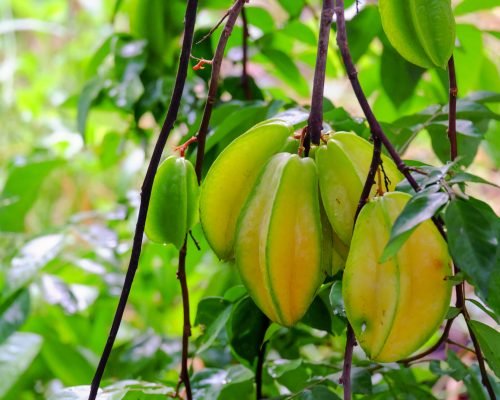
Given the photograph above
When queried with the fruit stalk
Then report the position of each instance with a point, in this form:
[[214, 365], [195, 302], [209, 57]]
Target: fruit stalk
[[173, 109], [315, 123]]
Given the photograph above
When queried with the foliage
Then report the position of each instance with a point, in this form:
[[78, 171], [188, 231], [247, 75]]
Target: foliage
[[85, 87]]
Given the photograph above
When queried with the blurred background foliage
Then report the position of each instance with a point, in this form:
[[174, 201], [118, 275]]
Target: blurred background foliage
[[84, 86]]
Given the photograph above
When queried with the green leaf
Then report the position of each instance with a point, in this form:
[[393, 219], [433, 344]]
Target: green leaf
[[214, 330], [260, 18], [21, 191], [285, 68], [316, 393], [13, 313], [246, 331], [464, 177], [125, 390], [489, 339], [473, 241], [420, 208], [399, 77], [470, 6], [16, 355], [452, 312], [362, 381], [486, 310], [88, 97], [293, 7], [33, 256], [59, 356], [211, 383]]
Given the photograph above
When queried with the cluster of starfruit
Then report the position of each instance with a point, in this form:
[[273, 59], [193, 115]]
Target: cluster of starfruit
[[287, 222]]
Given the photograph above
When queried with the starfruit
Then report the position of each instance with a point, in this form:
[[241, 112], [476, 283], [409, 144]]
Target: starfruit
[[232, 177], [343, 166], [278, 242], [394, 307], [422, 31], [173, 207]]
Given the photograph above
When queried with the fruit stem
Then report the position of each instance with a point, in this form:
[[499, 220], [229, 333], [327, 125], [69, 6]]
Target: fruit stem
[[173, 109], [315, 122], [232, 16]]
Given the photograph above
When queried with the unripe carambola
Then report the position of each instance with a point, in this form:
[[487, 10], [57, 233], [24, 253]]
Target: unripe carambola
[[173, 208], [422, 31], [343, 166], [278, 243], [232, 177], [394, 307]]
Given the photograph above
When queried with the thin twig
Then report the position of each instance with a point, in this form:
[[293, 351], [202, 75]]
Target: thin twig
[[315, 122], [452, 342], [259, 370], [232, 16], [214, 28], [245, 83], [190, 19], [186, 332], [452, 112]]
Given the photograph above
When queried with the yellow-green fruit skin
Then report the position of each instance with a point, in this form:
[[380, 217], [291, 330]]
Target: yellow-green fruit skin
[[343, 166], [173, 208], [396, 306], [232, 177], [422, 31], [278, 243]]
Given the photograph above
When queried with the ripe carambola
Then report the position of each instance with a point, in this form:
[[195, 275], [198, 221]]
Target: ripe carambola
[[396, 306], [173, 208], [343, 166], [422, 31], [278, 242], [231, 178]]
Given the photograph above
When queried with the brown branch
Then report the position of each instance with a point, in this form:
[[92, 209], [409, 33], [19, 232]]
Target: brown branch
[[452, 112], [233, 14], [245, 84], [190, 19], [186, 332], [315, 122], [214, 28]]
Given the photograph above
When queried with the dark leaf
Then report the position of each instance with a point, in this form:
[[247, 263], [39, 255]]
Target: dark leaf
[[473, 240], [489, 339], [420, 208], [13, 313], [246, 330]]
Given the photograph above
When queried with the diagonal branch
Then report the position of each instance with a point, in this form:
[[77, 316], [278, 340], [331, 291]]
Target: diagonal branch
[[190, 20], [232, 16]]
